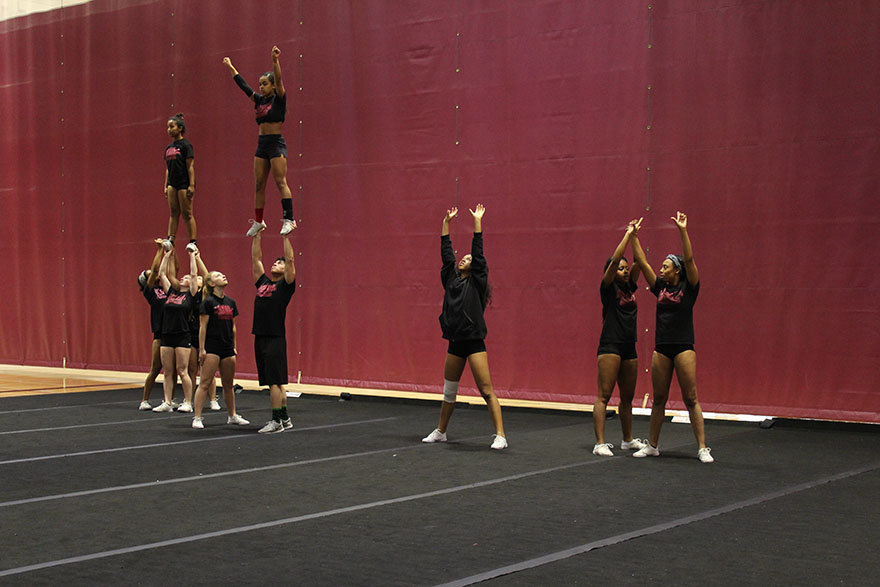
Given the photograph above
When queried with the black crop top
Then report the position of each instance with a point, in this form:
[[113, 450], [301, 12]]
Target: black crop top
[[271, 109]]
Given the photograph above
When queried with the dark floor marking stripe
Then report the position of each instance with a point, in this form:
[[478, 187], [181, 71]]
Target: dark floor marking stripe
[[563, 554], [252, 434], [285, 521]]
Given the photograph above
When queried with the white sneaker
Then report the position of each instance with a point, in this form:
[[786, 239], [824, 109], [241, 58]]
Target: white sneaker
[[145, 406], [256, 227], [214, 405], [288, 424], [634, 444], [185, 407], [167, 244], [287, 225], [435, 436], [648, 451], [603, 450], [499, 442], [163, 407], [198, 424], [236, 419], [191, 248], [272, 427], [704, 456], [174, 404]]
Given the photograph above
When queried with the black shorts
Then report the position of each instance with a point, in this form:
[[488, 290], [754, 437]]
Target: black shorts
[[466, 348], [671, 350], [194, 339], [626, 350], [220, 350], [157, 336], [180, 184], [270, 147], [271, 355], [177, 340]]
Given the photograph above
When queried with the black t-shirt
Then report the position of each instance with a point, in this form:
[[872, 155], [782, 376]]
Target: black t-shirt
[[619, 310], [270, 305], [175, 316], [176, 155], [194, 315], [270, 109], [675, 312], [155, 296], [221, 312]]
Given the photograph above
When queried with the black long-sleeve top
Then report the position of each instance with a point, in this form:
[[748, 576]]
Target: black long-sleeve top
[[465, 298]]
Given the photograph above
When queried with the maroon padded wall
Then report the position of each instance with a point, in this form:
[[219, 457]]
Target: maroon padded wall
[[566, 118]]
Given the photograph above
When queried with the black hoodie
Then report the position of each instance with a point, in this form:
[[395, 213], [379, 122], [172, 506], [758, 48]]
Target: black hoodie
[[465, 298]]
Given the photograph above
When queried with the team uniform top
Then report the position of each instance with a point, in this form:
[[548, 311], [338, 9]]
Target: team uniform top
[[272, 109], [675, 312], [175, 316], [221, 313], [619, 310], [270, 305], [194, 318], [465, 298], [156, 298], [176, 155]]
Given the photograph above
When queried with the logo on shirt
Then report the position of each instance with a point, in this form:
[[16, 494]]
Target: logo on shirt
[[626, 299], [670, 297], [176, 299], [159, 293], [266, 290], [172, 153], [223, 312], [263, 109]]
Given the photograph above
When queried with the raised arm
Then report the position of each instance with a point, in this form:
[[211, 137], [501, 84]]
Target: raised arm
[[618, 252], [154, 268], [478, 217], [276, 69], [447, 253], [289, 266], [693, 276], [163, 272], [257, 257], [642, 262], [193, 272], [248, 91], [203, 270]]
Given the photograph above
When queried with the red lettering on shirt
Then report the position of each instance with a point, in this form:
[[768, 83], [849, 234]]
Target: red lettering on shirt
[[159, 293], [176, 299], [172, 153], [263, 109], [626, 299], [668, 297], [223, 312], [266, 290]]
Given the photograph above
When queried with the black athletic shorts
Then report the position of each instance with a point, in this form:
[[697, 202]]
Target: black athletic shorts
[[671, 350], [181, 184], [220, 350], [466, 348], [157, 336], [179, 340], [626, 350], [271, 355], [270, 147]]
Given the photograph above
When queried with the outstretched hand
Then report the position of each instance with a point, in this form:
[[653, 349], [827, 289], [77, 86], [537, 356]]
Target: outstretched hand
[[478, 213], [680, 219], [227, 61], [450, 214], [275, 52], [632, 229]]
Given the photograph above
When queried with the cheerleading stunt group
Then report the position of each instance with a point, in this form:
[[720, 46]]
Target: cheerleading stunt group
[[193, 320]]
